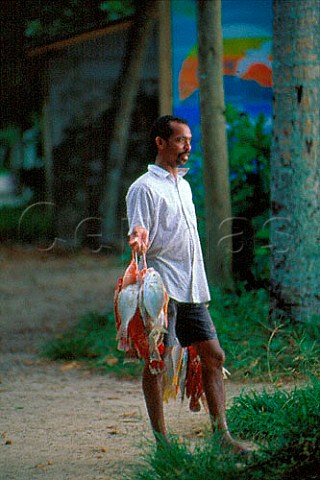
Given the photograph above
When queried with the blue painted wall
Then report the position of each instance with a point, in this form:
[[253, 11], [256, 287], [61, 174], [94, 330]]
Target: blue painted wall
[[247, 36]]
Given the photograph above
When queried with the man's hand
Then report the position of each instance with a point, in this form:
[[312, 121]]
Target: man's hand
[[139, 240]]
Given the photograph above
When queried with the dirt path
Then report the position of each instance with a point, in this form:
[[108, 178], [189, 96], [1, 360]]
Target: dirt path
[[61, 422]]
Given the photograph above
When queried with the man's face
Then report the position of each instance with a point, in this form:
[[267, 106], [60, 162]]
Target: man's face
[[176, 150]]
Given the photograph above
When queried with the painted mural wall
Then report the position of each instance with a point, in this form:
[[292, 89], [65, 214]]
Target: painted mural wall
[[247, 40]]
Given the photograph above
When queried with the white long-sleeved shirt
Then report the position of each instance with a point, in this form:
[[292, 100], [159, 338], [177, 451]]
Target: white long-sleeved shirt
[[163, 205]]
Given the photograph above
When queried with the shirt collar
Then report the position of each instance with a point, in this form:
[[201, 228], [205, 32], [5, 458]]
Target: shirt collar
[[161, 172]]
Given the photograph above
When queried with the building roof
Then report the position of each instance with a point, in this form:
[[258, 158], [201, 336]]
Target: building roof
[[79, 38]]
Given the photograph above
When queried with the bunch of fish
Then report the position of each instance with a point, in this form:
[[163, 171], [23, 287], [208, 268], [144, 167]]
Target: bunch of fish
[[183, 376], [140, 305]]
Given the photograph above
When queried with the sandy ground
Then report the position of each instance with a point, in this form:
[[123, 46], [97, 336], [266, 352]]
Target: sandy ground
[[60, 421]]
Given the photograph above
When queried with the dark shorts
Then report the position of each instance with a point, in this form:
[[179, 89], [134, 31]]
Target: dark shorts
[[188, 323]]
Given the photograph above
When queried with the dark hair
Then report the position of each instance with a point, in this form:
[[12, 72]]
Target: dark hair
[[162, 128]]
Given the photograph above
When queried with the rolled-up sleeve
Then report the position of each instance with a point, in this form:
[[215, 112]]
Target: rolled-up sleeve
[[140, 208]]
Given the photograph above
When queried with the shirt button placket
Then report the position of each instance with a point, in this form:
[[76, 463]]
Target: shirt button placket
[[191, 239]]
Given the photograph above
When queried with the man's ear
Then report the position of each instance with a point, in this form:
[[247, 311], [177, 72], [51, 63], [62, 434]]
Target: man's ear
[[160, 142]]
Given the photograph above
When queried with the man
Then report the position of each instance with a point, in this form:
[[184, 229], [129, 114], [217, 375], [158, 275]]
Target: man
[[162, 222]]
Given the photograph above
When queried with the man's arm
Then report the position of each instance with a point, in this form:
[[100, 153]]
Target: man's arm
[[140, 213], [139, 239]]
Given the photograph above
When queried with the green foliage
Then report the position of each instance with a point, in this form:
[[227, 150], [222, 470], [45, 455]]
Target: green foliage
[[264, 416], [249, 159], [249, 163], [93, 341], [177, 460], [195, 178], [118, 9], [9, 136], [286, 422], [23, 224], [255, 348], [49, 21]]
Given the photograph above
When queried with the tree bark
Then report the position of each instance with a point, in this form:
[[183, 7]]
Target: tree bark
[[124, 101], [295, 162], [214, 144], [14, 95]]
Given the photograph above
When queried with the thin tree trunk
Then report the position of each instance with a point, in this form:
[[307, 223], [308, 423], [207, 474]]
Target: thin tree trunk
[[124, 102], [14, 94], [47, 149], [214, 144], [295, 162]]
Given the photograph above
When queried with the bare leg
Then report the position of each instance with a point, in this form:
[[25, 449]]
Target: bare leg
[[212, 359], [152, 389]]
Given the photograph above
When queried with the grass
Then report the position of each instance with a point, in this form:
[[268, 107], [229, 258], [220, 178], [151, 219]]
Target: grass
[[31, 223], [265, 416], [255, 349], [92, 341], [285, 423]]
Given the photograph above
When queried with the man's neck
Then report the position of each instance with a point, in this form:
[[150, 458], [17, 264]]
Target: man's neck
[[168, 168]]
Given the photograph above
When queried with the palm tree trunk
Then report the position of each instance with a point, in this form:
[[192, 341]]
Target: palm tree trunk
[[295, 162]]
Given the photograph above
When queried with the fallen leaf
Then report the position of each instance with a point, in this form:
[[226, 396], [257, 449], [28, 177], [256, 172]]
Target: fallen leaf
[[198, 432], [69, 366], [129, 415], [110, 360], [28, 362]]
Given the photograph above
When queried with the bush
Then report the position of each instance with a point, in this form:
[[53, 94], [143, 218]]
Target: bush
[[27, 224]]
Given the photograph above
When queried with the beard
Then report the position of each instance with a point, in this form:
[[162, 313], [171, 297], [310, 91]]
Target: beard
[[182, 158]]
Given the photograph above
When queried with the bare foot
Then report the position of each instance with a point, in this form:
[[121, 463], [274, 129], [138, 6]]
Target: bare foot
[[236, 447], [162, 442]]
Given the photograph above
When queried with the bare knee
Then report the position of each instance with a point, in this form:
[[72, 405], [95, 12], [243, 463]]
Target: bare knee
[[211, 354], [219, 356], [216, 360]]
